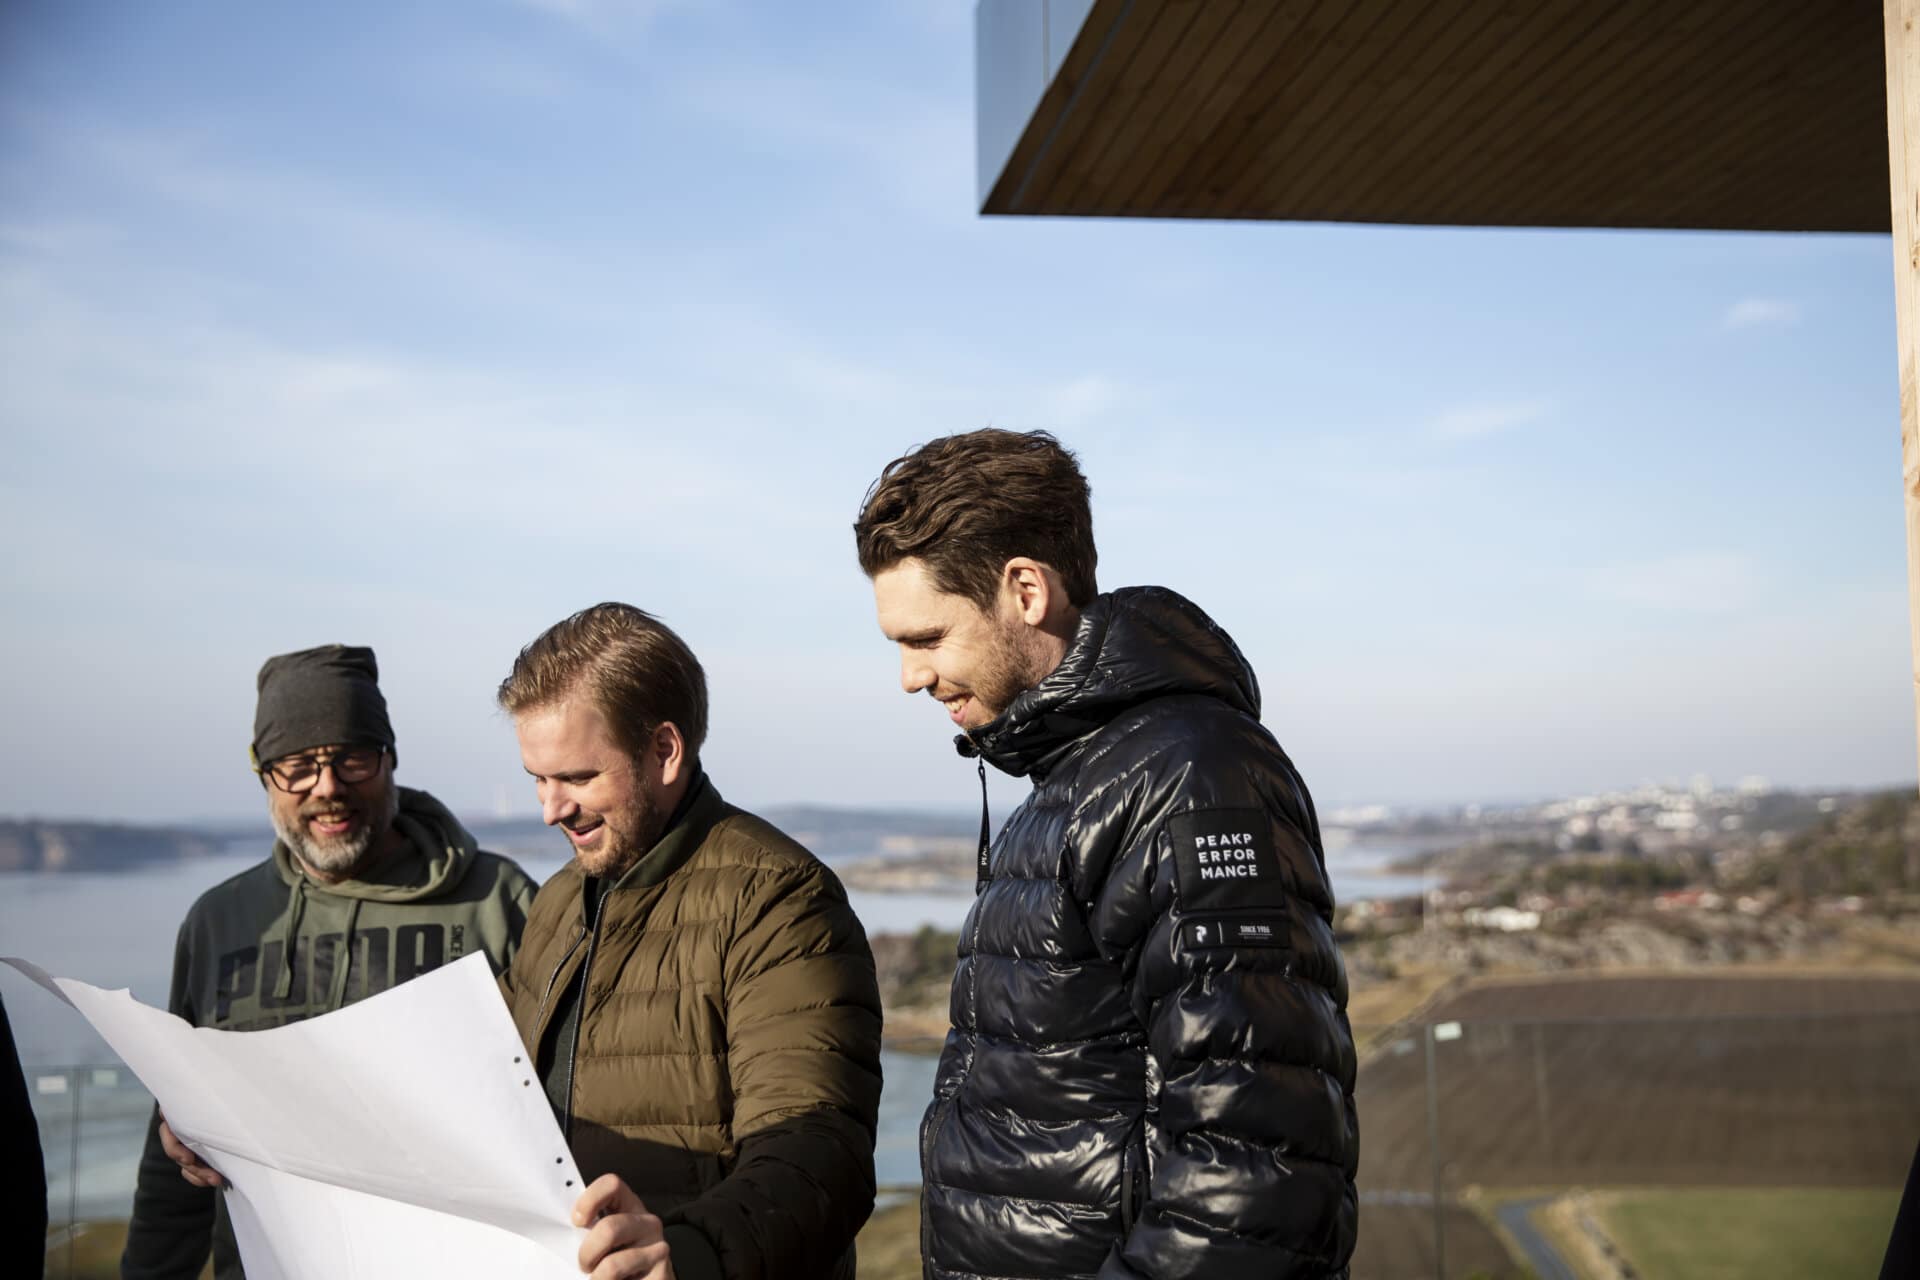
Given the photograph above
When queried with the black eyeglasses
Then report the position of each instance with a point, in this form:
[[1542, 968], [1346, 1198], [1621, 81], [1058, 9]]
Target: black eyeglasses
[[300, 774]]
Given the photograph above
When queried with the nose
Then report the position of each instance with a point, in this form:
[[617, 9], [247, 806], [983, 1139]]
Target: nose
[[915, 674], [555, 806], [328, 783]]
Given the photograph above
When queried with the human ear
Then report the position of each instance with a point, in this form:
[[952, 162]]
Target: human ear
[[1025, 581], [668, 752]]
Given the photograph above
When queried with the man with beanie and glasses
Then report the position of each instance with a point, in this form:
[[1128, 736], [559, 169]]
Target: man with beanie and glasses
[[369, 884]]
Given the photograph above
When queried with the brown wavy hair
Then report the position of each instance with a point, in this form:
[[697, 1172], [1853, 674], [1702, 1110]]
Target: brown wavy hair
[[639, 673], [966, 504]]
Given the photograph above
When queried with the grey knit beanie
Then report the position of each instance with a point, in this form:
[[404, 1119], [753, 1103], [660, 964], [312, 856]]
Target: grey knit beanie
[[319, 697]]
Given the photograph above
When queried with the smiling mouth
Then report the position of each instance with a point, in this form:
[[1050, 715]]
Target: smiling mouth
[[331, 823], [957, 707], [580, 835]]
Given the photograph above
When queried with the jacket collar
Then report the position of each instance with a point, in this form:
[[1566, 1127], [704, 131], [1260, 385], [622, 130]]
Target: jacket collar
[[699, 811], [1131, 646]]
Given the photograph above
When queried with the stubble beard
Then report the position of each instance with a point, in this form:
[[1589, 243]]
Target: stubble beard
[[1008, 669], [627, 842]]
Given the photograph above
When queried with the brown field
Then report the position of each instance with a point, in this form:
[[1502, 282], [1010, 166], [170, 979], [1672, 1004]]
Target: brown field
[[1378, 1005], [889, 1245], [1744, 992], [1744, 1078], [1764, 1079]]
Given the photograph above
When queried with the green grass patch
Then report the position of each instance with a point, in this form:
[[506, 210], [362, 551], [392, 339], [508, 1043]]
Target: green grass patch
[[1752, 1234]]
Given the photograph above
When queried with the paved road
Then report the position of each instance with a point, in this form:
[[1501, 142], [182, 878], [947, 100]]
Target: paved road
[[1516, 1217]]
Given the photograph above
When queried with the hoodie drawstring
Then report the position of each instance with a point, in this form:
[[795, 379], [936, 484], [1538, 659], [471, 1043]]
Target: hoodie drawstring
[[343, 958], [984, 871], [296, 907]]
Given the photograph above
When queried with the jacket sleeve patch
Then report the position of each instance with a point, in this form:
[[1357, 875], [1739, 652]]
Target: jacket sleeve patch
[[1201, 933], [1225, 860]]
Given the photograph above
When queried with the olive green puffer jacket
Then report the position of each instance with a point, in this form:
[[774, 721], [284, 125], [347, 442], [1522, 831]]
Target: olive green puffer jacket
[[727, 1065]]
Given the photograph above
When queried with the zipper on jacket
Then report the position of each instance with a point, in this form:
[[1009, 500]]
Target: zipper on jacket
[[580, 1012], [554, 977], [927, 1125], [1126, 1188]]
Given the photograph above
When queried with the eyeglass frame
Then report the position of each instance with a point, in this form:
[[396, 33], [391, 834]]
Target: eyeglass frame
[[265, 768]]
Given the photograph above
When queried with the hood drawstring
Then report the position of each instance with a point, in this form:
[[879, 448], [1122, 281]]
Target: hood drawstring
[[983, 868], [343, 958], [296, 907], [984, 871]]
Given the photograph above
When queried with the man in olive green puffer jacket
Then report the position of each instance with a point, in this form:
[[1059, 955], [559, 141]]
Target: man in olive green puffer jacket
[[697, 994], [368, 885]]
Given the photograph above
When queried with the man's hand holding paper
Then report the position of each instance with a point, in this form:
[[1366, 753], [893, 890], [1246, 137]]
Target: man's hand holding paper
[[421, 1144]]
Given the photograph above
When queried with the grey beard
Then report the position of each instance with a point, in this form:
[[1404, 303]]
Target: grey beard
[[336, 857]]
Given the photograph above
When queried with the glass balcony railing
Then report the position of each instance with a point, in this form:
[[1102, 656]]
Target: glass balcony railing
[[1660, 1147], [93, 1120]]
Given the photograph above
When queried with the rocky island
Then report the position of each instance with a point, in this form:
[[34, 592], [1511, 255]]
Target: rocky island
[[57, 846]]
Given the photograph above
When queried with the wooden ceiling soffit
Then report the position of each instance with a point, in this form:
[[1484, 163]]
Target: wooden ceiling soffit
[[1712, 114]]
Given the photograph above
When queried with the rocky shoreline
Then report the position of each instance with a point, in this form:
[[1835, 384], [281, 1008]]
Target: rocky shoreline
[[54, 847]]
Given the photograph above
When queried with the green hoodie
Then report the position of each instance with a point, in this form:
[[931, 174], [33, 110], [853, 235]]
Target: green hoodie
[[265, 948]]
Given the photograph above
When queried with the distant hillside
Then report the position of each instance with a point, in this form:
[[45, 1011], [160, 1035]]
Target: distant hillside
[[32, 845], [833, 834], [1803, 845], [1869, 848], [56, 845]]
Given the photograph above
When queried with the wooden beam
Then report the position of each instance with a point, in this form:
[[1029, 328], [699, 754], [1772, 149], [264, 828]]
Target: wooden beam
[[1903, 171]]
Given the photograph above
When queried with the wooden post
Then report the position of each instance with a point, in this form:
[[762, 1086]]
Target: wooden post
[[1903, 171]]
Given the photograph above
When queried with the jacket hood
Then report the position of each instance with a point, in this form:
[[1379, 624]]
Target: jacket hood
[[444, 853], [1132, 645]]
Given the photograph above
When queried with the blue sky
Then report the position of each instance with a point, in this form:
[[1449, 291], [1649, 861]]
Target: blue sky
[[422, 325]]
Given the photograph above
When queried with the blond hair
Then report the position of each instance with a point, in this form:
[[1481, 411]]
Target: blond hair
[[637, 671]]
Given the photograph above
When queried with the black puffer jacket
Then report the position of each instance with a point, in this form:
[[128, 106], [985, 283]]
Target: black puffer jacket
[[1150, 1072]]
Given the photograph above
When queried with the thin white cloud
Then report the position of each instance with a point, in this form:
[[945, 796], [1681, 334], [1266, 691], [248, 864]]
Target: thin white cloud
[[204, 402], [1477, 421], [1689, 582], [1760, 313]]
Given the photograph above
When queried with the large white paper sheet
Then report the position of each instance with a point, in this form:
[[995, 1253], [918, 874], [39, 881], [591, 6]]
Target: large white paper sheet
[[404, 1136]]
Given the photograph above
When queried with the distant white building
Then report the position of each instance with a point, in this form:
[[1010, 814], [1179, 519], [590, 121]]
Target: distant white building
[[1505, 919]]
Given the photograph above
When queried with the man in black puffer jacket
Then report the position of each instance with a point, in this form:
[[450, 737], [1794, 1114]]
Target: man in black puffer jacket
[[1150, 1072]]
